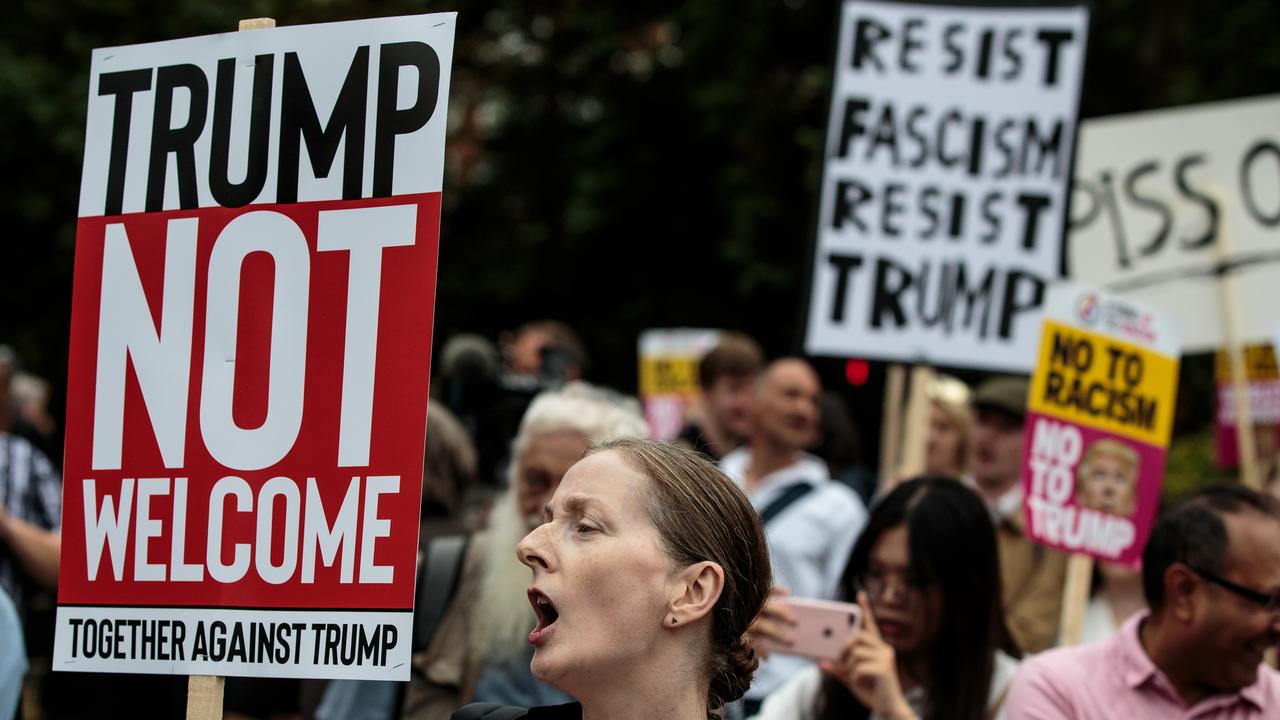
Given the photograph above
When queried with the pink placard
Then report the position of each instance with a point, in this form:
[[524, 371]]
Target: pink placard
[[1089, 491]]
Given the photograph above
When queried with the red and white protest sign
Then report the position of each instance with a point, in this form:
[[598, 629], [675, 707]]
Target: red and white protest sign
[[250, 348], [1099, 418]]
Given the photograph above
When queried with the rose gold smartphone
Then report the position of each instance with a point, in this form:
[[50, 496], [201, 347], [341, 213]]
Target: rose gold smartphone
[[822, 628]]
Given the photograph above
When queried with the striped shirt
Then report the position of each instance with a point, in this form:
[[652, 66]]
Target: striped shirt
[[31, 491]]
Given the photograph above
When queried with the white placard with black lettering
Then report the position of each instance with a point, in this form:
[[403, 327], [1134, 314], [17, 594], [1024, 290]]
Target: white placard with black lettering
[[1167, 203], [944, 185]]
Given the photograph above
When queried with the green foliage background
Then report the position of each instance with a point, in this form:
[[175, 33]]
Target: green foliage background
[[620, 166]]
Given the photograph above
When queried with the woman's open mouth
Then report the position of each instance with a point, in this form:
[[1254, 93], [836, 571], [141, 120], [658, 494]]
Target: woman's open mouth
[[547, 616]]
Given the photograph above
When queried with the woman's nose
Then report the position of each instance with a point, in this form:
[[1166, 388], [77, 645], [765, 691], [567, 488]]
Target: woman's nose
[[531, 550]]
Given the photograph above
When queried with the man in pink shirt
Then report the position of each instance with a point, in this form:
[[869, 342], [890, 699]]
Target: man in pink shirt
[[1211, 574]]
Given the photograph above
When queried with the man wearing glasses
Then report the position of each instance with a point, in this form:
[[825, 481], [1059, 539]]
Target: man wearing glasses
[[1211, 574]]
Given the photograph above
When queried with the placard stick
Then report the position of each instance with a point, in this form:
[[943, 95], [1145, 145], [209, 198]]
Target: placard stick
[[204, 692], [1075, 597], [263, 23], [204, 697], [891, 425], [1245, 446], [916, 433]]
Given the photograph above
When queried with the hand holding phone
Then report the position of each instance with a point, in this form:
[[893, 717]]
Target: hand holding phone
[[773, 623], [869, 669], [821, 628]]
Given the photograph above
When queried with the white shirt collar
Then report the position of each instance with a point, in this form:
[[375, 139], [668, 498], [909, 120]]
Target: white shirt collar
[[807, 468], [1004, 507]]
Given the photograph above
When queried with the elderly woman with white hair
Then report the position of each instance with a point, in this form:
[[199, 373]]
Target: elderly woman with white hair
[[479, 649]]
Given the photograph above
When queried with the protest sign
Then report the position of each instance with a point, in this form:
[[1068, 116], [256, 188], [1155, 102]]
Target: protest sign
[[1170, 203], [1099, 416], [250, 347], [944, 186], [1262, 383], [669, 376]]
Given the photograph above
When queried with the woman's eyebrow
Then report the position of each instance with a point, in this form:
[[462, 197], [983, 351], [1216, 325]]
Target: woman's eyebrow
[[578, 504], [574, 504]]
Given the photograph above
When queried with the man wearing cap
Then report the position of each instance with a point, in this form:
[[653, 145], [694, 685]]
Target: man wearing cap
[[1031, 574]]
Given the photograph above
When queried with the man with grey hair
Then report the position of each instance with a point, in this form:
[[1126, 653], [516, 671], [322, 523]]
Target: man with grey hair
[[479, 649]]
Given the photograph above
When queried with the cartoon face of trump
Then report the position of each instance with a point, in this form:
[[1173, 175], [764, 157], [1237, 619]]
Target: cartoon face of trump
[[1107, 478]]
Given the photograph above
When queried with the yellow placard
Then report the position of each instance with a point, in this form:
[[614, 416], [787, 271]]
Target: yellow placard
[[1104, 383], [669, 375], [1259, 363]]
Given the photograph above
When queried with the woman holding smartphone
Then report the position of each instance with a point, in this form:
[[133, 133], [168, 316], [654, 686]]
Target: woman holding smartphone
[[647, 569], [933, 643]]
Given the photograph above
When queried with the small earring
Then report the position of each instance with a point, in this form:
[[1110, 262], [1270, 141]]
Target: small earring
[[673, 621]]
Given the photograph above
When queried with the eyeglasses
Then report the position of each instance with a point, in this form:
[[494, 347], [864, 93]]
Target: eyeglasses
[[876, 585], [1269, 603]]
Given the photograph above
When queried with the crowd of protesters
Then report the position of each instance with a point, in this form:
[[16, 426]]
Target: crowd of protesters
[[960, 607]]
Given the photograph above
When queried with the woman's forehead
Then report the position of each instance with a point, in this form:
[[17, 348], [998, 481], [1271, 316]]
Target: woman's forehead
[[892, 548], [605, 479]]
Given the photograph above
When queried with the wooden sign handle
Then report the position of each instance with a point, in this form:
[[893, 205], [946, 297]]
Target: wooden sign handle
[[1245, 446], [891, 427], [204, 697], [204, 692], [903, 432], [916, 434], [257, 23], [1075, 597]]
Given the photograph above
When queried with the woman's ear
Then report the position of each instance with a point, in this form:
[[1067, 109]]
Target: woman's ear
[[694, 593]]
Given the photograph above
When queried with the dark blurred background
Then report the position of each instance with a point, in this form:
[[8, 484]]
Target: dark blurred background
[[618, 166]]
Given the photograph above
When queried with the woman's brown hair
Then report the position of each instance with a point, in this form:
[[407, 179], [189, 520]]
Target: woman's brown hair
[[701, 515]]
